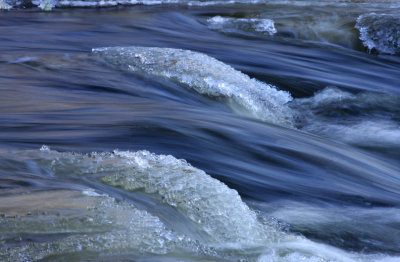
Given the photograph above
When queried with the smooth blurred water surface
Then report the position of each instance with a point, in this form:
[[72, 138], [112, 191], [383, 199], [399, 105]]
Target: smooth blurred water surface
[[53, 91]]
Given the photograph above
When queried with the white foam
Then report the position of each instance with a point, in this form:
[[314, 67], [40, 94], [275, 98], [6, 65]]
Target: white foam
[[257, 25], [380, 32], [207, 76]]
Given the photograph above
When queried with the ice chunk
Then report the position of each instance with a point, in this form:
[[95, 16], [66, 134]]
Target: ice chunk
[[77, 222], [207, 76], [253, 25], [4, 5], [380, 32], [211, 206]]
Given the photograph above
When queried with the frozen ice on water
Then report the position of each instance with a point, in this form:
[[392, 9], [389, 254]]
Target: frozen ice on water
[[211, 205], [85, 221], [214, 208], [78, 222], [45, 5], [4, 5], [206, 75], [231, 25], [380, 32]]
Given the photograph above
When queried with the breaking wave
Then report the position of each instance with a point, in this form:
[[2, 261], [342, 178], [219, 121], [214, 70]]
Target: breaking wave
[[380, 32], [242, 25], [207, 76]]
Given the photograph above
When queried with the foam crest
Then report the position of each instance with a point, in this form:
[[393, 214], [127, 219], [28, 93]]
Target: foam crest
[[207, 76], [262, 26], [380, 32]]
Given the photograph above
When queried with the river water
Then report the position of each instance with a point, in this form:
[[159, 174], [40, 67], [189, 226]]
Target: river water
[[200, 130]]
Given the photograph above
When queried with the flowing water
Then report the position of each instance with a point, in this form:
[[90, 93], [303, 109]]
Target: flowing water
[[174, 130]]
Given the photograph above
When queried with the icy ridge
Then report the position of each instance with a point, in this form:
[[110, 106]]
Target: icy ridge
[[262, 26], [207, 76], [99, 225], [380, 32], [209, 204]]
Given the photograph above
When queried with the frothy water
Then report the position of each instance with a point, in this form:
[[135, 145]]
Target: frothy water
[[207, 76]]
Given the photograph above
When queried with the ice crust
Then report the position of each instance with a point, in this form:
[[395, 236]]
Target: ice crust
[[95, 223], [213, 207], [207, 76], [262, 26], [380, 32], [207, 202], [4, 5]]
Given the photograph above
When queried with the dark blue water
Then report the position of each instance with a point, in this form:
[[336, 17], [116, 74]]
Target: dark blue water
[[334, 177]]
